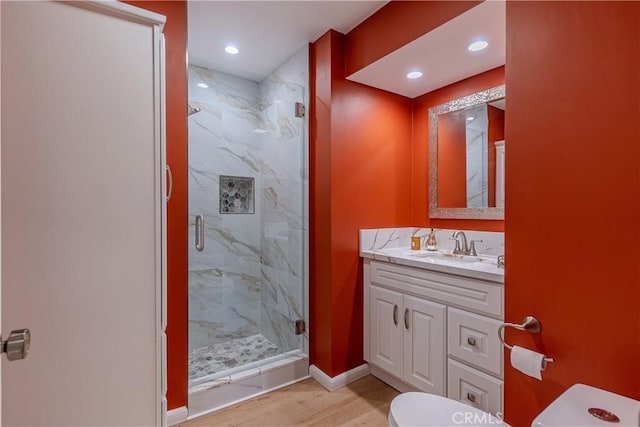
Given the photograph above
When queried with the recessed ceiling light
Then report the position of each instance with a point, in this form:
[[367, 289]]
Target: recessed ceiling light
[[469, 119], [478, 45], [231, 50], [203, 85], [414, 75]]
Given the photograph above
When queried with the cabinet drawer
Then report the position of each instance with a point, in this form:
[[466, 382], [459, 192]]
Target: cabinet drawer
[[477, 295], [474, 388], [474, 339]]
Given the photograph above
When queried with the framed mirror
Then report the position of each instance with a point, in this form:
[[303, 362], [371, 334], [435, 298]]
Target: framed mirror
[[466, 157]]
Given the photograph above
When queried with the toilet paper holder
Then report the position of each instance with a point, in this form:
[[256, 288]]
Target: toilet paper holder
[[529, 324]]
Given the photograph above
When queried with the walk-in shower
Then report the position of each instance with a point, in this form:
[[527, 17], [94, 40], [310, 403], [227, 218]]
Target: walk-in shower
[[248, 209]]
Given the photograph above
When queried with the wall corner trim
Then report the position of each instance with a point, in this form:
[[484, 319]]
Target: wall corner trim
[[341, 380], [177, 416]]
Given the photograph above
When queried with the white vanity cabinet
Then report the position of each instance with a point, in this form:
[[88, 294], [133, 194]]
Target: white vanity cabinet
[[434, 331], [407, 338]]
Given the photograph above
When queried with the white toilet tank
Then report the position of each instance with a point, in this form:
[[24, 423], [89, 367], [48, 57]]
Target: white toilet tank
[[585, 406]]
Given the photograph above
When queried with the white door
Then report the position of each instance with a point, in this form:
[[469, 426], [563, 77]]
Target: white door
[[82, 213], [424, 345], [0, 210], [385, 308]]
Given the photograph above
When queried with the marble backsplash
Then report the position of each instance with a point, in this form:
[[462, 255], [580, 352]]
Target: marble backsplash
[[250, 276], [380, 238]]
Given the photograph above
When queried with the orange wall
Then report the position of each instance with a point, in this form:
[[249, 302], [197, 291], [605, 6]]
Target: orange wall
[[573, 196], [175, 32], [360, 159], [394, 25], [452, 160], [421, 105]]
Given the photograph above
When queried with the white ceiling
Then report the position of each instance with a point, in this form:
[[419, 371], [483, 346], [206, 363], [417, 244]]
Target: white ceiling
[[266, 32], [442, 54], [269, 32]]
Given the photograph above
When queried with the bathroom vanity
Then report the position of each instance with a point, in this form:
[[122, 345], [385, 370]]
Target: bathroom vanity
[[431, 322]]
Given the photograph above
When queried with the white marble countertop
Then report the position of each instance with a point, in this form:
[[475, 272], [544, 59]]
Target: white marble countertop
[[482, 267]]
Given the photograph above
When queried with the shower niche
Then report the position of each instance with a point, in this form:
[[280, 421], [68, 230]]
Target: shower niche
[[248, 169], [236, 194]]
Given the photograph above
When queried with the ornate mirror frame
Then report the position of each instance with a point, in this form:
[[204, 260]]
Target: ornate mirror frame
[[455, 105]]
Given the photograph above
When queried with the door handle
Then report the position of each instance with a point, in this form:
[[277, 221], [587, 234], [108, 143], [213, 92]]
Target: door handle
[[406, 319], [17, 345], [199, 233], [395, 314], [170, 191]]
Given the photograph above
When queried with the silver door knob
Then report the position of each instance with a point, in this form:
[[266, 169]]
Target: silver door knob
[[17, 345]]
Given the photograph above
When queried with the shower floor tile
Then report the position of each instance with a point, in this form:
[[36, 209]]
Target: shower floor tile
[[219, 357]]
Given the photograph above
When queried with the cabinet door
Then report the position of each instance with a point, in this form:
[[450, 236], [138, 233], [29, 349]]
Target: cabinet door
[[385, 309], [424, 345]]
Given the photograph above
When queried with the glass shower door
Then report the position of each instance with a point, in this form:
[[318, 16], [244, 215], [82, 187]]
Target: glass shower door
[[247, 181], [283, 257]]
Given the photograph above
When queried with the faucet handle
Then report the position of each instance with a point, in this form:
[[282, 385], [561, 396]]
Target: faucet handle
[[472, 247]]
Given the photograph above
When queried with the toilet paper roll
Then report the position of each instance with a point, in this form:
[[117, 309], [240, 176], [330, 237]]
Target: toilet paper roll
[[528, 362]]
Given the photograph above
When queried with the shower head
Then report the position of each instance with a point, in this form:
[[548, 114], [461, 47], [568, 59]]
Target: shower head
[[192, 110]]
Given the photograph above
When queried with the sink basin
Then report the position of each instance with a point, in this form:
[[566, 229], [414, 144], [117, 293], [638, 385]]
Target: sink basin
[[583, 406], [445, 256]]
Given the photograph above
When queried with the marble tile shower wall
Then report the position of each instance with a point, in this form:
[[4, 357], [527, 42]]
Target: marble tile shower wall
[[283, 217], [249, 278], [476, 160], [224, 292]]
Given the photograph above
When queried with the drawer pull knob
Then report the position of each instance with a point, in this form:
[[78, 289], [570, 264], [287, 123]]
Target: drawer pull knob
[[395, 314], [471, 397], [471, 341]]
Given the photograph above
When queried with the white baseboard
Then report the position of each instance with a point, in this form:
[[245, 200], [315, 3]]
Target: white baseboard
[[177, 416], [341, 380]]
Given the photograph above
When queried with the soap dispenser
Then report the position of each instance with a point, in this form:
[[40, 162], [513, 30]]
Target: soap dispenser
[[432, 244]]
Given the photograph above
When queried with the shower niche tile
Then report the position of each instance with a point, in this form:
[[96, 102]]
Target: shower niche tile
[[237, 194]]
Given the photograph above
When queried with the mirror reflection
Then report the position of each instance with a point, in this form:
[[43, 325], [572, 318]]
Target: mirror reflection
[[466, 156]]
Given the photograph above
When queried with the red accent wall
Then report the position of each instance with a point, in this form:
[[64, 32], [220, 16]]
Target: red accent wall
[[360, 159], [175, 32], [368, 166], [421, 105], [573, 196], [452, 160], [394, 25]]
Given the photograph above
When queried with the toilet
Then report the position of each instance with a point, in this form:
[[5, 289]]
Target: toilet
[[414, 409], [579, 406]]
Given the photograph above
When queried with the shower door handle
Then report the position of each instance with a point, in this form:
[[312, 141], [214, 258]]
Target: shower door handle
[[199, 233]]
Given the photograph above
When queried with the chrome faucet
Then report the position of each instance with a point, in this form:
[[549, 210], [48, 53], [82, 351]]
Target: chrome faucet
[[461, 242], [462, 248]]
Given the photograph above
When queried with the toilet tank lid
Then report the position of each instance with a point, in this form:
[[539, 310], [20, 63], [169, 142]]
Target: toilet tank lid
[[571, 408]]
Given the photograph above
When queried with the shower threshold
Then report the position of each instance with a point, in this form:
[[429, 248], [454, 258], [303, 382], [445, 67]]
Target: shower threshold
[[216, 391]]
